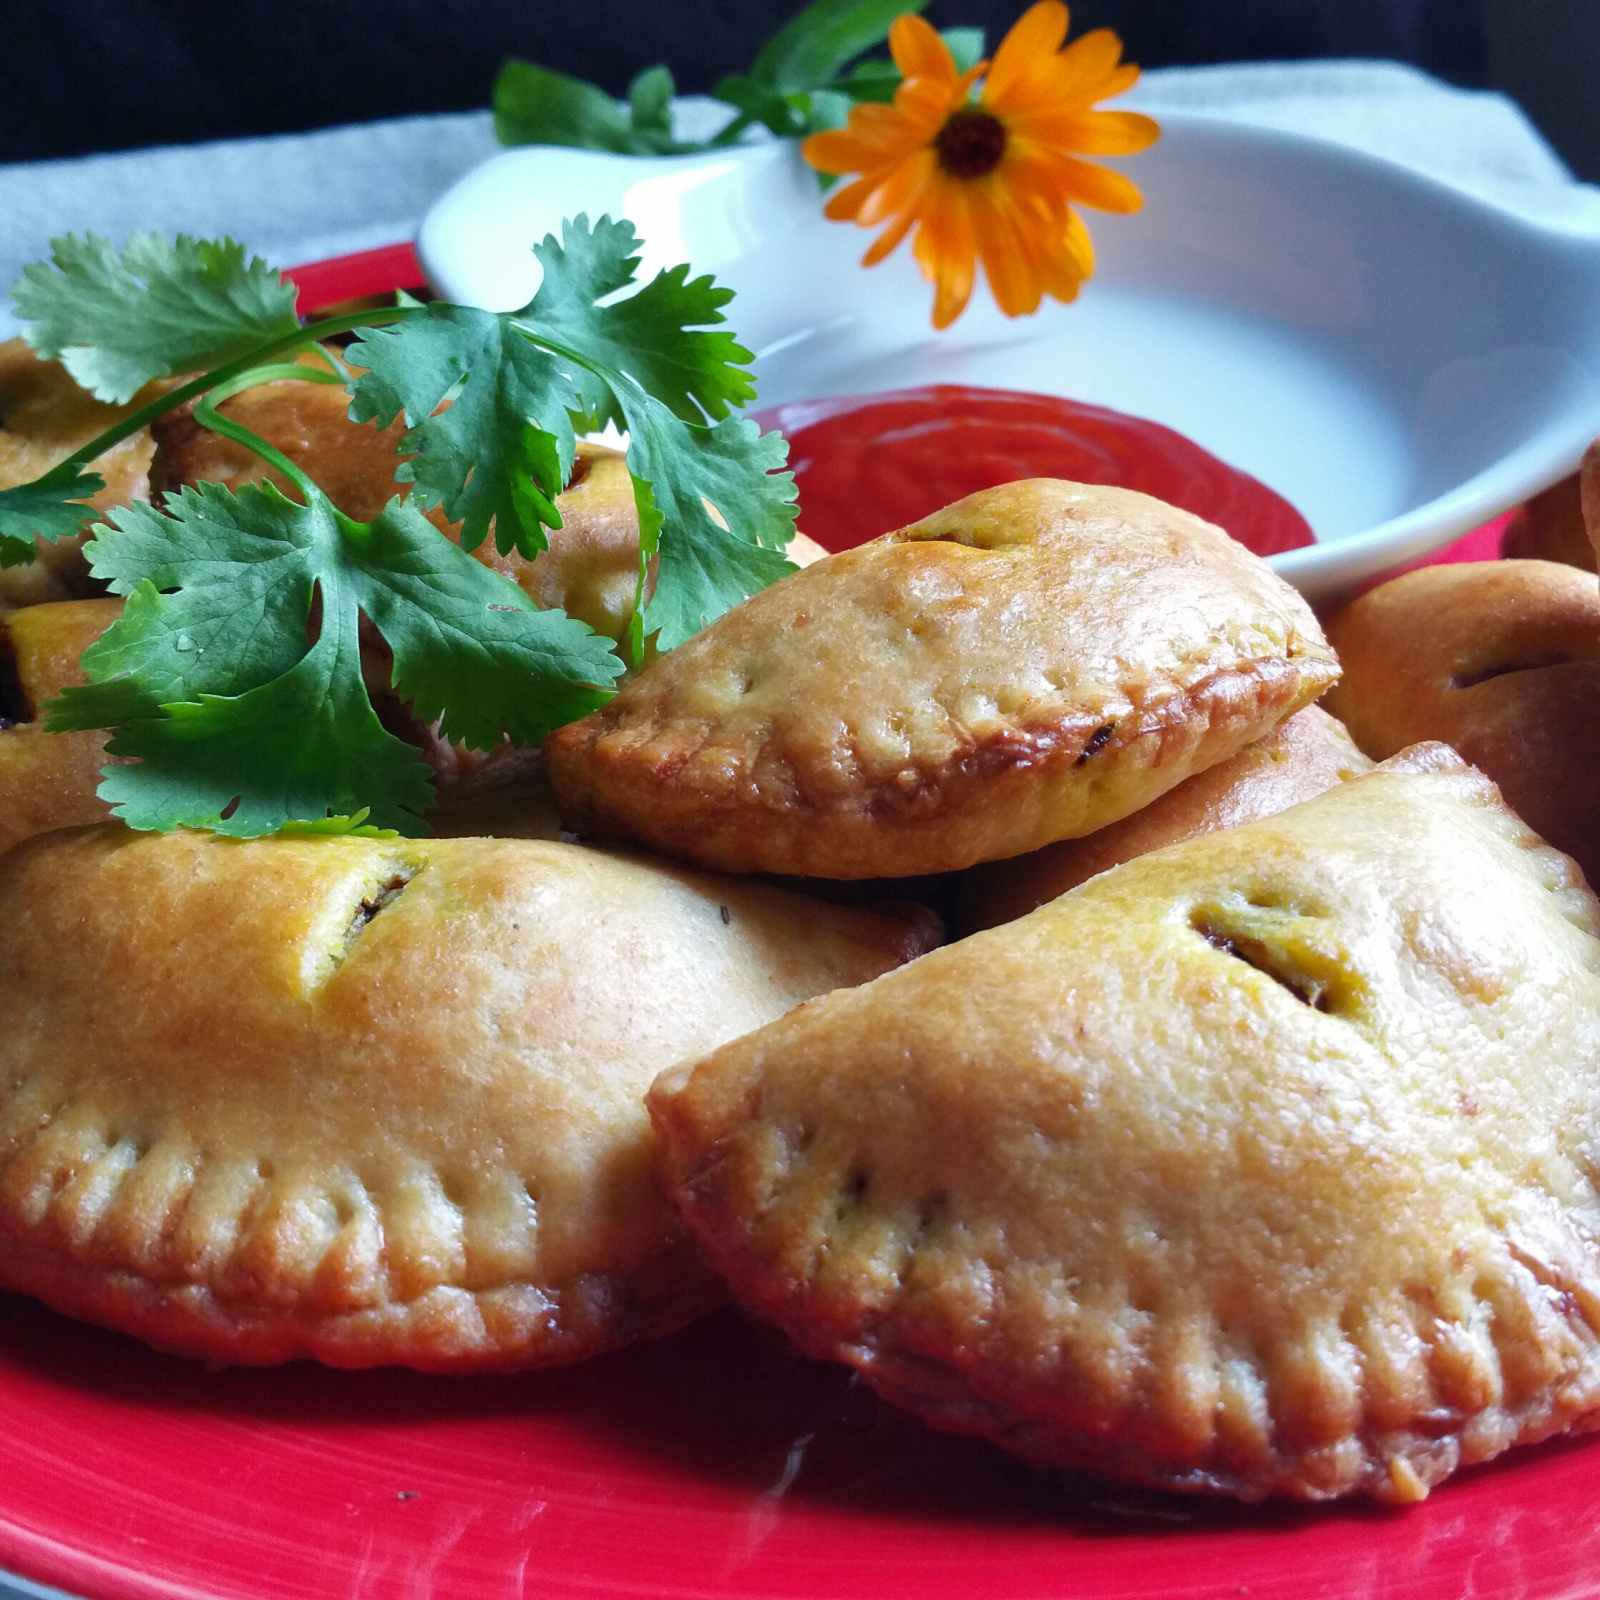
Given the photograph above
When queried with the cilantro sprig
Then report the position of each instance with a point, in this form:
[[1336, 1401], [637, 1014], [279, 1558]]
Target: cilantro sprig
[[802, 81], [234, 676]]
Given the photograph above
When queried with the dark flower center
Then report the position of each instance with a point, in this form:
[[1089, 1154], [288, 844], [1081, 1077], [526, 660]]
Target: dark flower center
[[971, 144]]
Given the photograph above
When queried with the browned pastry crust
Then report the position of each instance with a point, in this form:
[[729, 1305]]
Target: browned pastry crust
[[1304, 755], [590, 569], [1029, 664], [1500, 659], [371, 1101], [1550, 527], [1262, 1165], [1589, 495], [44, 417], [47, 780]]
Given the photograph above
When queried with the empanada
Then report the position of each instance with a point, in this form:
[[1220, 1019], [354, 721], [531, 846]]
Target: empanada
[[1262, 1165], [1302, 756], [590, 569], [371, 1101], [1029, 664], [1500, 659], [1550, 527], [44, 417], [1589, 495], [47, 780]]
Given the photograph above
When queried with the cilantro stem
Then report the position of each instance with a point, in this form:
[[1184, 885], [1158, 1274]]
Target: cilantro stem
[[207, 415], [311, 333]]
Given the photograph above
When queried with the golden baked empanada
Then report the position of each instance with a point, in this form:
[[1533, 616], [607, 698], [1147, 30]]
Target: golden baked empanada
[[47, 780], [1302, 756], [1500, 659], [1262, 1165], [1029, 664], [371, 1101], [1550, 527], [590, 569], [44, 417]]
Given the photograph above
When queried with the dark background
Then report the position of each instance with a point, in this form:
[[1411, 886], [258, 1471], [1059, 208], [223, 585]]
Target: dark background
[[88, 75]]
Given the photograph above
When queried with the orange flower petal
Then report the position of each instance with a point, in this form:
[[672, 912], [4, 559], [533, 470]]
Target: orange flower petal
[[898, 190], [1006, 256], [918, 50], [1118, 82], [1092, 133], [889, 240], [947, 251], [1079, 245], [1086, 62], [1037, 34], [844, 204], [922, 104]]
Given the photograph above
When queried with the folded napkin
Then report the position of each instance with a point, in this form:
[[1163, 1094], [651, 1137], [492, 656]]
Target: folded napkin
[[301, 197]]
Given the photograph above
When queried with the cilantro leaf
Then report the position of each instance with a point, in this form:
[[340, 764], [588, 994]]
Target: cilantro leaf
[[813, 47], [712, 507], [664, 336], [502, 450], [241, 725], [535, 105], [115, 321], [51, 507]]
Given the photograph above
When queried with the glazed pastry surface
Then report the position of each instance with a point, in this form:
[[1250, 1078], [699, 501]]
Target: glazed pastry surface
[[1262, 1165], [371, 1101], [47, 780], [1030, 664]]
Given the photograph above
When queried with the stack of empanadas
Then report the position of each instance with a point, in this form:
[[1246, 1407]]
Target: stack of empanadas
[[1257, 1159]]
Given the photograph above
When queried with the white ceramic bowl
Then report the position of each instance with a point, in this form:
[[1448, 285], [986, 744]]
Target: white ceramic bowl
[[1401, 361]]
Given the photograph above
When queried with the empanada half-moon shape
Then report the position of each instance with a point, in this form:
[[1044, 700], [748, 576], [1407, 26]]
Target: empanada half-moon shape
[[371, 1101], [47, 780], [1262, 1165], [1029, 664], [1499, 659], [1304, 755]]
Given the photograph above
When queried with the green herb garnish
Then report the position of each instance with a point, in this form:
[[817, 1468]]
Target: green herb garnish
[[234, 674]]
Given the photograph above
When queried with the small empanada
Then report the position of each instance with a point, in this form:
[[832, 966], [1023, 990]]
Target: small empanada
[[591, 567], [1029, 664], [44, 417], [1304, 755], [371, 1101], [1500, 659], [47, 780], [1262, 1165]]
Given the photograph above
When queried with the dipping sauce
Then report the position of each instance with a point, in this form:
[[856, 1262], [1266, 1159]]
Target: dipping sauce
[[869, 463]]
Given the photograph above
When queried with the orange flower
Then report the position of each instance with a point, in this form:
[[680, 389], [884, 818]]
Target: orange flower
[[993, 180]]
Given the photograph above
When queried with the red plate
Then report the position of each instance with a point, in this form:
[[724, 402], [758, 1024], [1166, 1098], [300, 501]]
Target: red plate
[[711, 1465]]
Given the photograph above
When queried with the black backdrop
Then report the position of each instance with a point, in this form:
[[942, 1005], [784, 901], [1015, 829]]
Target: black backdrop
[[84, 75]]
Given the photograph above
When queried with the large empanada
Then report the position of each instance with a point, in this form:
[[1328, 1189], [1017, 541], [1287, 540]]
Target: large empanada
[[44, 417], [367, 1100], [591, 568], [47, 780], [1304, 755], [1500, 659], [1029, 664], [1265, 1164]]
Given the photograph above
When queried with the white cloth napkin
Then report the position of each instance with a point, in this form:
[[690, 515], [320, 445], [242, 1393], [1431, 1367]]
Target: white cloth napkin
[[301, 197]]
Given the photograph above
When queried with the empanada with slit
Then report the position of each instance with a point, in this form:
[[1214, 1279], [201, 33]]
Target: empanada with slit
[[1304, 755], [1262, 1165], [1499, 659], [47, 780], [1029, 664], [371, 1100]]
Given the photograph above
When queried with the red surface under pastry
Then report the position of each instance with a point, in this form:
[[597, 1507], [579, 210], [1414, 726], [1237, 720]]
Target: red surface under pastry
[[713, 1464]]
